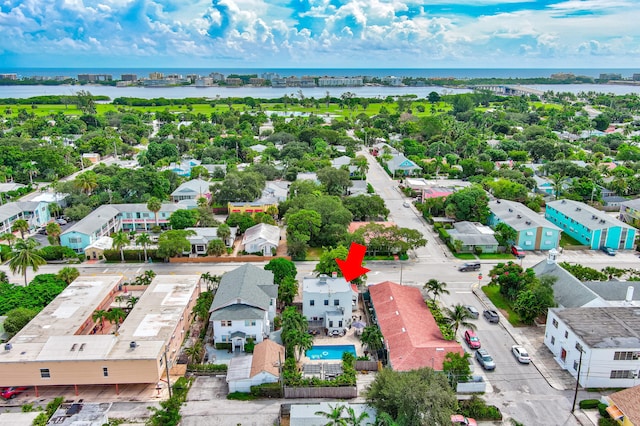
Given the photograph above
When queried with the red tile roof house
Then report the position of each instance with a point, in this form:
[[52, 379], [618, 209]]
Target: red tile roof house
[[411, 335]]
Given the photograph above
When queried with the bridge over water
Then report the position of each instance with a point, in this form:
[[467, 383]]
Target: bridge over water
[[508, 90]]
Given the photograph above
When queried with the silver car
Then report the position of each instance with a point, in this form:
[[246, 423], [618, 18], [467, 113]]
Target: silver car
[[473, 312], [521, 354], [485, 360]]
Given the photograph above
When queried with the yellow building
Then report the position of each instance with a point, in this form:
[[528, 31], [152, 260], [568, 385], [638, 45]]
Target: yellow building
[[259, 206], [63, 344], [624, 406]]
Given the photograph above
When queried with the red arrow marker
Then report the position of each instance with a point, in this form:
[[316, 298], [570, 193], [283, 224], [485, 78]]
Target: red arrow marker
[[352, 267]]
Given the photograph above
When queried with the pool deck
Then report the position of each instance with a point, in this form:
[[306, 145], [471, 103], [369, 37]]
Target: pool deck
[[350, 338]]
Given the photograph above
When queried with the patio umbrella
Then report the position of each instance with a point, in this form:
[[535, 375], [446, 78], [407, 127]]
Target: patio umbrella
[[358, 324]]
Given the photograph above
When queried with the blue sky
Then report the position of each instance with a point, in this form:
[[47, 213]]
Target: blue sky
[[320, 33]]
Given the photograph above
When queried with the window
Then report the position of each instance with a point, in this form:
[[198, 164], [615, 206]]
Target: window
[[621, 374], [105, 371], [249, 322], [553, 340], [312, 303], [528, 243], [224, 323], [625, 356], [549, 233], [340, 323], [530, 233], [575, 365], [75, 240], [566, 334], [336, 302], [45, 373], [555, 323], [326, 302]]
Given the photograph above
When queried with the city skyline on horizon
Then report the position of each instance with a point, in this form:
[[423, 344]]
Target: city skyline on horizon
[[334, 34]]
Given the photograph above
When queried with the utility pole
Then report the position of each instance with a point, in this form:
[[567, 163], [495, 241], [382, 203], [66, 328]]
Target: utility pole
[[166, 365], [575, 394]]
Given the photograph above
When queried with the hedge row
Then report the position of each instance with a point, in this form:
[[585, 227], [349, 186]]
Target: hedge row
[[267, 390], [132, 255]]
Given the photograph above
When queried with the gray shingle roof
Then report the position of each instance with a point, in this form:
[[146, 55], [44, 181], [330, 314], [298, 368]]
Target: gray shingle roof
[[244, 285], [568, 291], [516, 215], [586, 215], [237, 312], [634, 204], [607, 327], [194, 186], [470, 235], [614, 290], [270, 233]]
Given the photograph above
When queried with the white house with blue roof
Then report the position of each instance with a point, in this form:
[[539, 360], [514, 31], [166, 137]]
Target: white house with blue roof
[[244, 306], [401, 165]]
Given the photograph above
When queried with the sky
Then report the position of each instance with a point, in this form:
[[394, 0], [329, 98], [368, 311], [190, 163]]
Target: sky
[[320, 33]]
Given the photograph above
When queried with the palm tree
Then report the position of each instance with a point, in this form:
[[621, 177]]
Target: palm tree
[[458, 316], [223, 232], [362, 164], [54, 209], [558, 181], [195, 352], [354, 420], [115, 316], [144, 240], [302, 341], [385, 419], [154, 205], [30, 168], [372, 337], [20, 225], [25, 255], [68, 274], [54, 231], [436, 288], [120, 239], [334, 415], [9, 238], [87, 182], [99, 316], [132, 302]]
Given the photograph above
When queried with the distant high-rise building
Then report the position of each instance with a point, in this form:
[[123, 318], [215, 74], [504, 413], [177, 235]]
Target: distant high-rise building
[[216, 76], [93, 78], [10, 76], [156, 76], [129, 77], [610, 76]]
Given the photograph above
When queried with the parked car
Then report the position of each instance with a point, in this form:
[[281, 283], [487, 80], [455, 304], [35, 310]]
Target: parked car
[[472, 339], [485, 360], [460, 420], [470, 266], [491, 316], [61, 221], [521, 354], [12, 392], [406, 204], [609, 251], [517, 251], [472, 311], [42, 231]]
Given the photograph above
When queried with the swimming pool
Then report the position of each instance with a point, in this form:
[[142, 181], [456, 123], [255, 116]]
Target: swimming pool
[[329, 352]]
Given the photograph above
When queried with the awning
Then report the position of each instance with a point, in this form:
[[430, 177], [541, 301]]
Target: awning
[[614, 412], [238, 334]]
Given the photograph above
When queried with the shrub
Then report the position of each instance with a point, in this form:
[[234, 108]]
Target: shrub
[[602, 408], [241, 396], [132, 255], [267, 390], [478, 409], [589, 404], [207, 367], [603, 421], [57, 253], [221, 346]]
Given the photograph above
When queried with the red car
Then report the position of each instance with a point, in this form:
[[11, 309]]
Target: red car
[[460, 420], [12, 392]]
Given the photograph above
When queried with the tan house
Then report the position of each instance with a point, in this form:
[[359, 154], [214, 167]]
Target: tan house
[[95, 250], [252, 370], [63, 345]]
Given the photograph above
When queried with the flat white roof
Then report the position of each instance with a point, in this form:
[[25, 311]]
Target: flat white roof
[[51, 334]]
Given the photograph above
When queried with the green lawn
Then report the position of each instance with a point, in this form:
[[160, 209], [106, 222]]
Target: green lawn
[[496, 256], [465, 256], [566, 240], [493, 293]]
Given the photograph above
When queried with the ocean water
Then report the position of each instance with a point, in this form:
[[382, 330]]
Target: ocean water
[[334, 72]]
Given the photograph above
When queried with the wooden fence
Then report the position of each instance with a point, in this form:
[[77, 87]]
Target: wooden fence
[[226, 259], [334, 392], [367, 365]]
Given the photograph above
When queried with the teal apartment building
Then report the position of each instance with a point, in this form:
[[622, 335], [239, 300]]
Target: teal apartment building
[[589, 226], [534, 232]]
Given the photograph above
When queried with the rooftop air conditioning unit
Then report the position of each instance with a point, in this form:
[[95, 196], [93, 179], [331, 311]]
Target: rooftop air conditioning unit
[[133, 345], [8, 346]]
